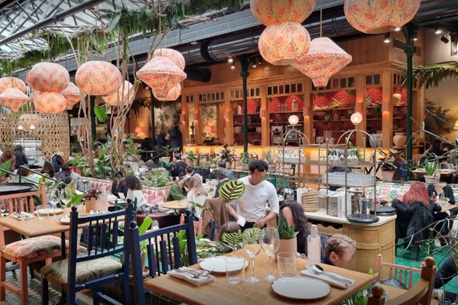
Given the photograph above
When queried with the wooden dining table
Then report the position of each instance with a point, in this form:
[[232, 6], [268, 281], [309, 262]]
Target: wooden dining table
[[176, 204], [221, 293]]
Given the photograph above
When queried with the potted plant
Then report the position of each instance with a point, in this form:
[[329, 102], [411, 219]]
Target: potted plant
[[227, 155], [191, 157], [95, 200], [269, 156], [146, 224], [287, 236], [167, 153], [430, 168], [212, 162], [245, 159]]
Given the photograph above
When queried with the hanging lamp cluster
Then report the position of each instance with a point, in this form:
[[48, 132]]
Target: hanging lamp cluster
[[164, 73], [12, 93], [284, 40]]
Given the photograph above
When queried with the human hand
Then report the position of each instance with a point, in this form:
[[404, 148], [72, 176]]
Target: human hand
[[260, 223]]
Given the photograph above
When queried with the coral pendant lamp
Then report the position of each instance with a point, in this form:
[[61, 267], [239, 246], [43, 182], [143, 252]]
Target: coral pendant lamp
[[13, 98], [171, 95], [270, 12]]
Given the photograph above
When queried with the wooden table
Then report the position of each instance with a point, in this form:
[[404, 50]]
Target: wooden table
[[439, 171], [176, 204], [221, 293]]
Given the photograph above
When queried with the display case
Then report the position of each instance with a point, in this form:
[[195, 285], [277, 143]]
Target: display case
[[253, 116]]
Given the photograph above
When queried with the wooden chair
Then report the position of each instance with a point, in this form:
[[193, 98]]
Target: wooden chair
[[402, 273], [420, 293], [96, 266], [163, 252], [197, 224]]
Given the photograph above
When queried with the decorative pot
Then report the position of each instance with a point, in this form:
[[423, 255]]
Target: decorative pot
[[238, 129], [434, 179], [399, 139], [387, 176], [99, 203], [228, 164], [336, 116], [287, 245]]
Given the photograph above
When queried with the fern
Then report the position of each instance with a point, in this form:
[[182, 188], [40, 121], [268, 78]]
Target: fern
[[432, 74]]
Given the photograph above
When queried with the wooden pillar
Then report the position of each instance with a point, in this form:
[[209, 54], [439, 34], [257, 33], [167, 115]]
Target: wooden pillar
[[265, 117], [387, 109], [308, 111], [228, 118], [360, 85], [198, 123]]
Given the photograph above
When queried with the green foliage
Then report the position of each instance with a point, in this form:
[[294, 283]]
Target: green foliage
[[437, 121], [157, 178], [100, 113], [233, 240], [252, 234], [227, 154], [142, 229], [430, 167], [285, 231], [269, 156], [191, 156], [5, 166], [362, 296], [231, 190], [433, 74], [168, 150], [246, 157]]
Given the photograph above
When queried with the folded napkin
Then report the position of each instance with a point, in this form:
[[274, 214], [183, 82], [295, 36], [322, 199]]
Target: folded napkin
[[330, 278], [22, 216], [189, 275]]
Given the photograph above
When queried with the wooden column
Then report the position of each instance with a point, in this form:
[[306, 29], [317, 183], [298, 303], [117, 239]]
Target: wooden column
[[360, 85], [308, 111], [228, 118], [265, 117], [387, 109]]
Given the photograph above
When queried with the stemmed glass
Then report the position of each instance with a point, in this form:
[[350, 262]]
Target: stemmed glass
[[64, 199], [52, 202], [270, 245], [3, 208], [252, 240]]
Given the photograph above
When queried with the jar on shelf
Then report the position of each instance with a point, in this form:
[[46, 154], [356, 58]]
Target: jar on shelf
[[294, 105]]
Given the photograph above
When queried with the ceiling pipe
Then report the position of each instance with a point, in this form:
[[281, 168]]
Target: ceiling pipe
[[51, 20]]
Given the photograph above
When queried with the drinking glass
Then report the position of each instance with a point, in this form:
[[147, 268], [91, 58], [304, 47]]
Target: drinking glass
[[155, 225], [252, 240], [3, 208], [270, 245], [64, 199], [52, 202]]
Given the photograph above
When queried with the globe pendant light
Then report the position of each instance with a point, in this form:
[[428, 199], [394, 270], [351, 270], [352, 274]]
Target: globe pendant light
[[12, 82], [29, 121], [270, 12], [98, 78], [125, 93], [72, 95], [48, 76], [171, 95], [13, 98], [48, 102], [173, 55]]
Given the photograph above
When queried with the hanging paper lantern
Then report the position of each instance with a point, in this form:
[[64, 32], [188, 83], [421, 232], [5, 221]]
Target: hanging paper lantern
[[48, 102], [379, 16], [12, 82], [173, 55], [323, 60], [126, 91], [98, 78], [13, 98], [48, 76], [29, 121], [269, 12], [72, 95], [171, 95], [161, 75], [284, 43]]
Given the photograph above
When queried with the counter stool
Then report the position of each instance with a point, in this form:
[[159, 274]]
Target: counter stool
[[25, 252]]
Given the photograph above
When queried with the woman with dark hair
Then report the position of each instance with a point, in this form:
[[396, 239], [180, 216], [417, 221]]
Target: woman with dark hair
[[47, 169], [118, 186], [21, 159], [293, 213], [134, 190]]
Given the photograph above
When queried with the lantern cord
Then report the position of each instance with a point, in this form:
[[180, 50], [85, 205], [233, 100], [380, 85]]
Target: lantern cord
[[321, 20]]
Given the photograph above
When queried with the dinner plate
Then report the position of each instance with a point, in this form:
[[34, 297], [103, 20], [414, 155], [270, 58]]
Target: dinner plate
[[65, 220], [301, 288], [217, 264], [50, 211]]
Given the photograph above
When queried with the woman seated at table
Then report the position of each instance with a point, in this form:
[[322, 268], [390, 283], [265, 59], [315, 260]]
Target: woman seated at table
[[177, 190], [28, 175], [197, 194], [293, 213], [134, 190], [339, 251], [118, 186], [47, 169]]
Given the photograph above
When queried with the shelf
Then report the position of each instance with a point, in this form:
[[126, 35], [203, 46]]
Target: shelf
[[283, 112], [241, 124], [249, 114], [373, 119], [237, 133]]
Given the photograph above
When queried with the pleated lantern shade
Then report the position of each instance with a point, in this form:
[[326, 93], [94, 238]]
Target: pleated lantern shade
[[98, 78], [29, 121], [125, 93], [161, 74], [269, 12], [72, 95], [284, 43], [173, 55], [12, 82], [13, 98], [48, 102], [324, 59], [171, 95], [379, 16], [48, 76]]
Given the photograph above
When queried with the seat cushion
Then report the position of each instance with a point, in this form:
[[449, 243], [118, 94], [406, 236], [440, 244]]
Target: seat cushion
[[58, 272], [33, 247]]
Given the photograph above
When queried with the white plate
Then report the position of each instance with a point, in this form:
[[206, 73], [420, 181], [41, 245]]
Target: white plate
[[65, 220], [50, 211], [217, 264], [301, 288]]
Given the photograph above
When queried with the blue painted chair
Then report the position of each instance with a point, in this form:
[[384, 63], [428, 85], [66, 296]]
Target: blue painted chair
[[162, 252], [213, 228], [97, 265]]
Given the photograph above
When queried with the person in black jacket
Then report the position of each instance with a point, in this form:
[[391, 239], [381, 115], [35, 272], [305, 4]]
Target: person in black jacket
[[119, 186], [21, 159]]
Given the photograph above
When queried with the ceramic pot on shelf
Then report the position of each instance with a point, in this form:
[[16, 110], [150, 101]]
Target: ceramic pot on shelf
[[399, 139]]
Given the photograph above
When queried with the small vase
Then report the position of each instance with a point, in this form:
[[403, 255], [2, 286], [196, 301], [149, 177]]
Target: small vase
[[399, 139], [288, 245]]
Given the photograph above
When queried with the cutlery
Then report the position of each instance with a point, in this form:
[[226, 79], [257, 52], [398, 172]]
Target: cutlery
[[318, 270], [193, 272]]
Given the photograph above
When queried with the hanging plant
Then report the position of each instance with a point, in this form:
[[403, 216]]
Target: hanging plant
[[433, 74]]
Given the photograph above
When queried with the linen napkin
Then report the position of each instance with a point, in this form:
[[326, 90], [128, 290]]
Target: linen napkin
[[188, 274], [22, 216], [330, 278]]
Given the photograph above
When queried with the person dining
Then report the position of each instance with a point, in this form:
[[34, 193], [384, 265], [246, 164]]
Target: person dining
[[251, 207], [21, 158], [118, 185], [339, 251], [177, 190], [197, 194], [134, 190], [47, 169], [294, 215]]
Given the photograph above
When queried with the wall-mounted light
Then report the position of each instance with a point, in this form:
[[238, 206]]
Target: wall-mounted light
[[232, 66], [438, 31], [456, 125], [230, 60], [397, 29], [262, 113], [387, 38], [293, 119], [444, 39], [356, 118], [226, 115], [254, 64]]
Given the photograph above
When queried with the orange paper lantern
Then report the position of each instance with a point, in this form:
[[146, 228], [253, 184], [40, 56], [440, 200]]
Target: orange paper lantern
[[98, 78], [29, 121], [72, 95], [48, 102], [13, 98], [284, 43], [379, 16], [48, 76], [173, 55], [269, 12], [161, 75], [171, 95], [125, 93], [12, 82], [323, 60]]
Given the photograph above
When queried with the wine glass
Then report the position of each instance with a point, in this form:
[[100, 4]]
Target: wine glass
[[252, 240], [270, 245], [52, 202], [3, 208], [64, 199]]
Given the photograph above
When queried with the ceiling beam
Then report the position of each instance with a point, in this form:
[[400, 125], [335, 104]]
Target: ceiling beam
[[51, 20], [6, 4]]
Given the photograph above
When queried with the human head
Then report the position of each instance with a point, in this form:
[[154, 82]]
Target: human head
[[418, 192], [221, 164], [18, 148], [132, 183], [189, 169], [47, 167], [228, 227], [7, 155], [178, 156], [118, 175], [195, 184], [339, 250], [66, 170], [258, 170], [23, 171]]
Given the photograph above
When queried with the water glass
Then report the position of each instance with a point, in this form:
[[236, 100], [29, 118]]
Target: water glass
[[235, 269], [42, 213], [286, 264]]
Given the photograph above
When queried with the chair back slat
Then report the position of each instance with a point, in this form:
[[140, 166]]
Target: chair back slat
[[176, 253], [151, 257], [164, 257]]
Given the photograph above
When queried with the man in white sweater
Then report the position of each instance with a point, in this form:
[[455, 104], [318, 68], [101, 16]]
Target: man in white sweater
[[251, 207]]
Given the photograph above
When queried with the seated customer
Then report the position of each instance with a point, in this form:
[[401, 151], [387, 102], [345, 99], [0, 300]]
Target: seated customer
[[47, 169], [446, 272], [69, 173], [197, 194], [134, 190], [177, 190], [294, 214], [339, 251], [118, 186]]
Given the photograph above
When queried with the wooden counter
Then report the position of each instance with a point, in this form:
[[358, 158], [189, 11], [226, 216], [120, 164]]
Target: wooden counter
[[371, 239]]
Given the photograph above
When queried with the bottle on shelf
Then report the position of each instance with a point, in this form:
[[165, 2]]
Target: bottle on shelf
[[314, 246]]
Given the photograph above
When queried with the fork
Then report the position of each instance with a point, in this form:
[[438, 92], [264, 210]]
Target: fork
[[194, 273]]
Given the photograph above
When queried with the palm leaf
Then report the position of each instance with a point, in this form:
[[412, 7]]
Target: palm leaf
[[231, 190], [432, 74]]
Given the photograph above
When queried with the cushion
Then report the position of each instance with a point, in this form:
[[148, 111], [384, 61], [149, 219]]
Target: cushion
[[33, 247], [85, 271]]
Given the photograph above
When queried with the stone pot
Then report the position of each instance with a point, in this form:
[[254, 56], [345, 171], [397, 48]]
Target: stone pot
[[387, 176], [434, 179], [166, 159], [99, 203], [399, 139], [287, 245]]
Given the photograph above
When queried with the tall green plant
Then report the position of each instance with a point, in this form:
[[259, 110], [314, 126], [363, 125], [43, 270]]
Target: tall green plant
[[285, 231], [430, 167]]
